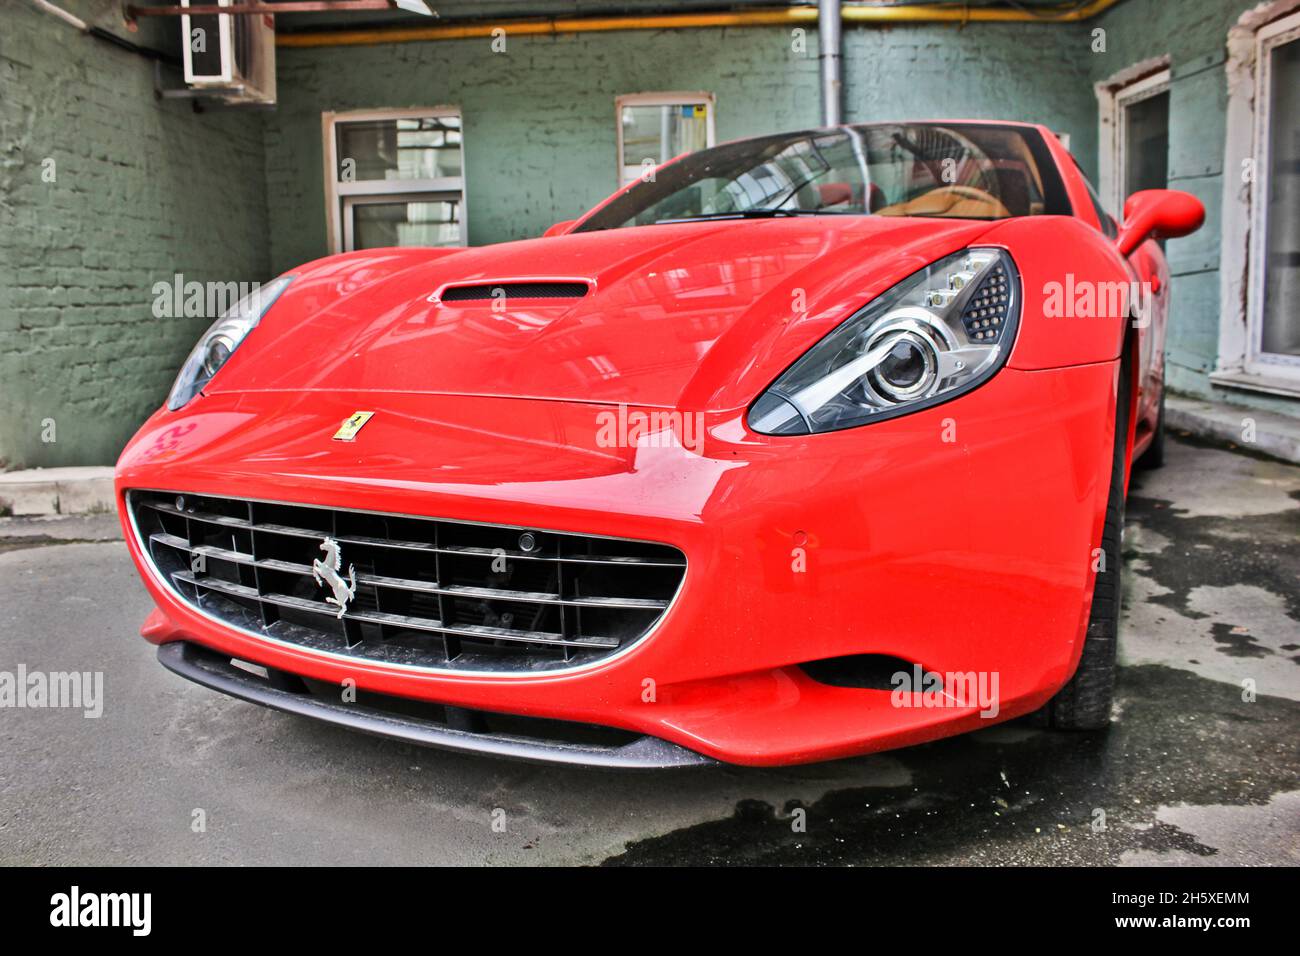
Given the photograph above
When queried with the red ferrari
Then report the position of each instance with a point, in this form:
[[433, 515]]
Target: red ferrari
[[799, 447]]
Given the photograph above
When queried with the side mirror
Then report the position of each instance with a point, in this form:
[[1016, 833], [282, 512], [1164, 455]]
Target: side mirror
[[1158, 214], [559, 229]]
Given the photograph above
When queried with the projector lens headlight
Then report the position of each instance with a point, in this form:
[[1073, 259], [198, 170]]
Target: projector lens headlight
[[938, 333], [221, 339]]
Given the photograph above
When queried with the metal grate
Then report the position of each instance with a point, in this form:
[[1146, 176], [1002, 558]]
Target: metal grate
[[418, 592], [514, 290]]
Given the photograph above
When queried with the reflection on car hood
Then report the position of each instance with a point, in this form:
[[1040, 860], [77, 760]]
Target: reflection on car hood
[[673, 314]]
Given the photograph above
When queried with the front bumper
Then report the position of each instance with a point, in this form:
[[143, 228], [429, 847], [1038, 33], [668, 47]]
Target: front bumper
[[211, 669], [959, 538]]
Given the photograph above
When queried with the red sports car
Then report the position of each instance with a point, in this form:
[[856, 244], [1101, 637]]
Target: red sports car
[[799, 447]]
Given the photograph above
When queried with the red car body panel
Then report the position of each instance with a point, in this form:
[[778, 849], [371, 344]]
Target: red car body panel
[[664, 298], [968, 554]]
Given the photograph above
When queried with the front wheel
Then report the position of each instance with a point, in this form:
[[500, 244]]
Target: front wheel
[[1084, 703]]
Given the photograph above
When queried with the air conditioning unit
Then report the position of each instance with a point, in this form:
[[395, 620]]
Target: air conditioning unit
[[230, 57]]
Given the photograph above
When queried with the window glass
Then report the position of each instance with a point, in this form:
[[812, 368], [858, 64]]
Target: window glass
[[417, 148], [1146, 144], [1281, 265], [655, 134], [412, 223], [399, 179]]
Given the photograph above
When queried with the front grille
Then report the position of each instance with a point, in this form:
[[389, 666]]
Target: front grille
[[514, 290], [426, 592]]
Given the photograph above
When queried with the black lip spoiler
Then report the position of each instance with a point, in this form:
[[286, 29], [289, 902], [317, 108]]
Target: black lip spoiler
[[215, 671]]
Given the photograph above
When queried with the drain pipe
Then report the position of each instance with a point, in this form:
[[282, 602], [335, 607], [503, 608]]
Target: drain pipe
[[62, 14], [828, 52], [107, 36]]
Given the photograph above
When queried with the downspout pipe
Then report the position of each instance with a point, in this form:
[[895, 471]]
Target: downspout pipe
[[829, 38]]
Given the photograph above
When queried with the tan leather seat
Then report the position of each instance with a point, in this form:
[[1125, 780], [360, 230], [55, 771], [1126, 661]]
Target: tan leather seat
[[959, 202]]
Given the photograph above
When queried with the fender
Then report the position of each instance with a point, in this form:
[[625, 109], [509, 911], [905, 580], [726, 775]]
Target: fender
[[1088, 275]]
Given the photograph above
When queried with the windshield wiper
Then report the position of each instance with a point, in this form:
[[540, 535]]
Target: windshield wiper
[[760, 213]]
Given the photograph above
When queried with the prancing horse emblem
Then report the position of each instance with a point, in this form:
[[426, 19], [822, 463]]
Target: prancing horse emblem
[[327, 572], [351, 425]]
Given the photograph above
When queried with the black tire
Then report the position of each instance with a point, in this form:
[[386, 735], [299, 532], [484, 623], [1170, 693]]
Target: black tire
[[1154, 456], [1084, 703]]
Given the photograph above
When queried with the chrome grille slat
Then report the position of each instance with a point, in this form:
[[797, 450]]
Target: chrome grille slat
[[199, 516], [426, 546], [565, 559], [409, 584], [398, 620], [540, 597], [430, 593], [216, 584], [402, 584]]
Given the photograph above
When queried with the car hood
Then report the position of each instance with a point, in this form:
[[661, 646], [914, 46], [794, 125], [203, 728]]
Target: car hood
[[683, 315]]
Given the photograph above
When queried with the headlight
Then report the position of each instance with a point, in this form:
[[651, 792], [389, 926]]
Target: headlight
[[219, 342], [938, 333]]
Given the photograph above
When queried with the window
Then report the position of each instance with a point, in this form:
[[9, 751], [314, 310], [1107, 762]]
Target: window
[[656, 127], [1259, 259], [1134, 137], [1273, 315], [394, 178]]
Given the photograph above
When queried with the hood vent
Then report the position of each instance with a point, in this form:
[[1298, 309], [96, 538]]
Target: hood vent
[[489, 291]]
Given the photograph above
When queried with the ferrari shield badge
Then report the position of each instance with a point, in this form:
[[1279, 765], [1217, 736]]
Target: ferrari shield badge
[[348, 430]]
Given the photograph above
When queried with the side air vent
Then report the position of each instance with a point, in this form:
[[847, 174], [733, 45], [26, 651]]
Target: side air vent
[[863, 671], [514, 290]]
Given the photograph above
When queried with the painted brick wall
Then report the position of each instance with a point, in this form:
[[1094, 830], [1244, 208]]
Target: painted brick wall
[[1031, 72], [1193, 33], [539, 118], [142, 190]]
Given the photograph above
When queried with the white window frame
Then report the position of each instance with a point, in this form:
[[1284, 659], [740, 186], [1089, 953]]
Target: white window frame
[[1240, 364], [707, 100], [1114, 97], [1278, 33], [341, 197]]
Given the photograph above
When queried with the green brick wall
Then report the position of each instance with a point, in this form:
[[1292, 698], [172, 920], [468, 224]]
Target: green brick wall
[[1193, 34], [1031, 72], [142, 191], [539, 118]]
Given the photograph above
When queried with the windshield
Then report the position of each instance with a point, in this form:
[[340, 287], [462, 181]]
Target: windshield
[[961, 171]]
